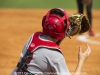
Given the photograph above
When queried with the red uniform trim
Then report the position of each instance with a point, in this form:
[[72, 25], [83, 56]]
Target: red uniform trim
[[38, 42]]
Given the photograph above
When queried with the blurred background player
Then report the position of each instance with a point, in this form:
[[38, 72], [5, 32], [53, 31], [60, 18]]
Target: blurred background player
[[88, 3], [41, 54]]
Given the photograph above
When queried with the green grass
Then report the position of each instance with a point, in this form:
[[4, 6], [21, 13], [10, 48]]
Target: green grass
[[68, 4], [96, 4]]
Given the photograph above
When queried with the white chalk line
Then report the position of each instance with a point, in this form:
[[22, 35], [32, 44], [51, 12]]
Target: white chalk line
[[84, 38]]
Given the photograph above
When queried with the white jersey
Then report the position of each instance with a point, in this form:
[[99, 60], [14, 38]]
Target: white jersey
[[45, 61]]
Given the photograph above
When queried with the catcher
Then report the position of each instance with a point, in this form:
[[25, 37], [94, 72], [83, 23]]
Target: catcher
[[41, 54]]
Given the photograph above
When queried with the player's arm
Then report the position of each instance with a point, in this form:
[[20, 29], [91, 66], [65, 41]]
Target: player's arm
[[81, 59]]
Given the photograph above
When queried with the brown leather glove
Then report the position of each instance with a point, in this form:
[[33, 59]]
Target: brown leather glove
[[79, 24]]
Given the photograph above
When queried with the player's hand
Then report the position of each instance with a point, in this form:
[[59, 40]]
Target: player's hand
[[83, 56]]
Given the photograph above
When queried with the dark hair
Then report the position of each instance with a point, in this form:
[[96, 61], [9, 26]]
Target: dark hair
[[58, 12]]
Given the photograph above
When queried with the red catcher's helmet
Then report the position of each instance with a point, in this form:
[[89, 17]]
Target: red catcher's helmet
[[56, 23]]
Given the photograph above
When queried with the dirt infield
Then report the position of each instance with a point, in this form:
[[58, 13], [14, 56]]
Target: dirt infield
[[17, 25]]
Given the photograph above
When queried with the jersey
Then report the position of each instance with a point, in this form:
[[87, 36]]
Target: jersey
[[47, 59]]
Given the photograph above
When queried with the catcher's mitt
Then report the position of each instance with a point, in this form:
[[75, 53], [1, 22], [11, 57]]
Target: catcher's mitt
[[86, 2], [79, 24]]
